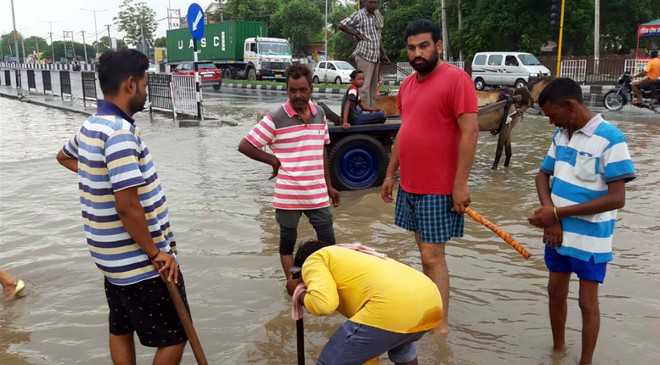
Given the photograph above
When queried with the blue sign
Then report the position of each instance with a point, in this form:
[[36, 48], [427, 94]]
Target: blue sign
[[195, 18]]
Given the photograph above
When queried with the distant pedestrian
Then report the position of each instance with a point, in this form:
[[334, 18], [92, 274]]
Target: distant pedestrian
[[296, 133], [580, 186], [125, 214], [11, 287], [366, 27]]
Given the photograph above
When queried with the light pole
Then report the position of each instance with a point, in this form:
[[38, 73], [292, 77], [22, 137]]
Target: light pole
[[84, 45], [596, 35], [13, 19], [109, 39], [96, 29], [445, 35], [325, 30]]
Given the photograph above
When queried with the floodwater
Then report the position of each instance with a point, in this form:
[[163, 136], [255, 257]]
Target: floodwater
[[225, 227]]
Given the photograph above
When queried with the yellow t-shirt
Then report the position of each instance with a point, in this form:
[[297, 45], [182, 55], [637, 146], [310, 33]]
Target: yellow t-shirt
[[369, 290], [653, 69]]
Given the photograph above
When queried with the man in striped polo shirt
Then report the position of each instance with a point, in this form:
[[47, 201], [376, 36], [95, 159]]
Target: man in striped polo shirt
[[296, 133], [580, 186], [125, 214]]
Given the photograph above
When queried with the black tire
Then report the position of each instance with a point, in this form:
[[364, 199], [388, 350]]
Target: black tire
[[338, 80], [316, 80], [216, 87], [614, 101], [358, 162], [252, 74], [227, 74], [520, 83], [479, 83]]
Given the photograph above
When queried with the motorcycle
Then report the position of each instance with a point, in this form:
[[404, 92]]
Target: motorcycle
[[622, 94]]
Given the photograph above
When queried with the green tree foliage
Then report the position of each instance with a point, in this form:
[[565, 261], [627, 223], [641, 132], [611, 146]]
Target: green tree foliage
[[135, 20], [297, 20], [104, 44], [160, 42]]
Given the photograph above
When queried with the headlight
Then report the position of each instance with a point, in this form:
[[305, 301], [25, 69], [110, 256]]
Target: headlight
[[534, 75]]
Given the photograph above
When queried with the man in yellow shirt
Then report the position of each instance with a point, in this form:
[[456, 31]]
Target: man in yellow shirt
[[652, 75], [389, 305]]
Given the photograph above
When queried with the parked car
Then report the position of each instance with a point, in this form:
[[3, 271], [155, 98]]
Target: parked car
[[209, 74], [505, 69], [338, 72]]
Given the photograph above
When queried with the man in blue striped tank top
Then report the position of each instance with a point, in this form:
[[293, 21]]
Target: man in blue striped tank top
[[581, 185], [125, 216]]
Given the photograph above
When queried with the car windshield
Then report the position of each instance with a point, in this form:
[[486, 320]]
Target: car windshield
[[342, 65], [528, 59], [274, 49]]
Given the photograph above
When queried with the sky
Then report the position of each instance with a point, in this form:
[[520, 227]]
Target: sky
[[33, 16]]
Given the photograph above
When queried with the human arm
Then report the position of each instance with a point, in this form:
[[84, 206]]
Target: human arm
[[332, 192], [68, 155], [246, 148], [383, 55], [553, 234], [261, 135], [388, 184], [322, 297], [122, 152], [345, 114], [131, 214], [349, 25], [467, 145], [67, 161]]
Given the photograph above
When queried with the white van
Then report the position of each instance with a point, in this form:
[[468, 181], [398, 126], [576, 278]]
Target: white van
[[505, 69]]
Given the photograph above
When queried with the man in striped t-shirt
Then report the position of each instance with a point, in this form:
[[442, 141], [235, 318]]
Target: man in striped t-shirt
[[296, 133], [125, 214], [580, 186]]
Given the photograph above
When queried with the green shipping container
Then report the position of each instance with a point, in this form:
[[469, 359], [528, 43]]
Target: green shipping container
[[221, 42]]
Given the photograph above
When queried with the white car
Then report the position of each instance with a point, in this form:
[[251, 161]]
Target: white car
[[505, 69], [338, 72]]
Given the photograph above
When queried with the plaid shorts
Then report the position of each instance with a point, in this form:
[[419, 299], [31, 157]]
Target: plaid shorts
[[430, 215]]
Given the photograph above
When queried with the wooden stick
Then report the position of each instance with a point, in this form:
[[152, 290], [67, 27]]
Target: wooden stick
[[300, 339], [186, 322], [506, 236]]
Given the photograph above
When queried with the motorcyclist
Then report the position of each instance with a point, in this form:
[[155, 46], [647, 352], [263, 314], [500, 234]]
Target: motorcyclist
[[651, 74]]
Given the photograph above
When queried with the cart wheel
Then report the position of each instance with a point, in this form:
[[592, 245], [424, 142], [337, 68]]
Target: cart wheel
[[358, 162]]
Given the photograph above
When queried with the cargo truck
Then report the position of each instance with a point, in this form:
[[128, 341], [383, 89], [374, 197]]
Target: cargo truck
[[241, 49]]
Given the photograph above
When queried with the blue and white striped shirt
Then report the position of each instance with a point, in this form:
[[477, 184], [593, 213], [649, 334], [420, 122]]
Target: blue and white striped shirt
[[112, 157], [582, 166]]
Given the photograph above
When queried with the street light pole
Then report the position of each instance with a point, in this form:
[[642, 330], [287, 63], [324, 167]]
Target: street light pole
[[96, 29], [109, 39], [13, 19], [596, 35], [445, 35], [84, 45], [325, 30]]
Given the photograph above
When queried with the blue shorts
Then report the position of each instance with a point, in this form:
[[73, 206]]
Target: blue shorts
[[585, 270], [355, 344], [429, 215]]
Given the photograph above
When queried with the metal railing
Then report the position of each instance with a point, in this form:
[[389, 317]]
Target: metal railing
[[166, 92], [574, 69]]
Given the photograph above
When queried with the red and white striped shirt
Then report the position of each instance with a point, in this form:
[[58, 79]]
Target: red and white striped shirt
[[300, 183]]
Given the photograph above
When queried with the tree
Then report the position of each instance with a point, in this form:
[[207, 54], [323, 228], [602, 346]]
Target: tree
[[308, 20], [137, 21], [160, 42], [340, 45], [34, 43], [7, 44], [104, 44]]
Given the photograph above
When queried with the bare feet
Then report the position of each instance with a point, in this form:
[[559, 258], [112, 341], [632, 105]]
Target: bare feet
[[442, 330]]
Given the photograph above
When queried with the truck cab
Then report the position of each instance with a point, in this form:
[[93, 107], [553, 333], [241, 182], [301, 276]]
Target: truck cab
[[267, 58]]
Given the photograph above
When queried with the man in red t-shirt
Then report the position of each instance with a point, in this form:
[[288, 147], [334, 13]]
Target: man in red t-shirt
[[434, 150]]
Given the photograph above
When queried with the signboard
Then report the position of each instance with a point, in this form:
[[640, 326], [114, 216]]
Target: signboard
[[195, 19]]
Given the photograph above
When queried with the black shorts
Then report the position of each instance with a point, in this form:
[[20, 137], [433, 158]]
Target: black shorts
[[146, 308]]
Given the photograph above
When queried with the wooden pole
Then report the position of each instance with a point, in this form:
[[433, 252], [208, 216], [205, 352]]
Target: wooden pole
[[300, 341], [186, 322]]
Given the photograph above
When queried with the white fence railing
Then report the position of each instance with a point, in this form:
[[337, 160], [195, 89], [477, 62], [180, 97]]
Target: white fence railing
[[574, 69], [185, 100], [634, 66]]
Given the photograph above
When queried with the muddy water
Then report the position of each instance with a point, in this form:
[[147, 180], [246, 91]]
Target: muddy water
[[228, 243]]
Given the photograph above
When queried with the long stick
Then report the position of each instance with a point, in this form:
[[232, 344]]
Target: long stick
[[506, 236], [300, 339], [186, 322]]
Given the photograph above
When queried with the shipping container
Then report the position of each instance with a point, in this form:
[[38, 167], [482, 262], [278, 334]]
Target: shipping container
[[222, 41]]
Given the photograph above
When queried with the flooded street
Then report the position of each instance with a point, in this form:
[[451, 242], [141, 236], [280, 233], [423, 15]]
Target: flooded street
[[228, 245]]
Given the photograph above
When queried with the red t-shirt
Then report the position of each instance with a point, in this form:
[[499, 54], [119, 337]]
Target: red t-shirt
[[429, 134]]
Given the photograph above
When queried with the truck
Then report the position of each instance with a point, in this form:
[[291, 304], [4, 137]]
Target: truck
[[240, 49]]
